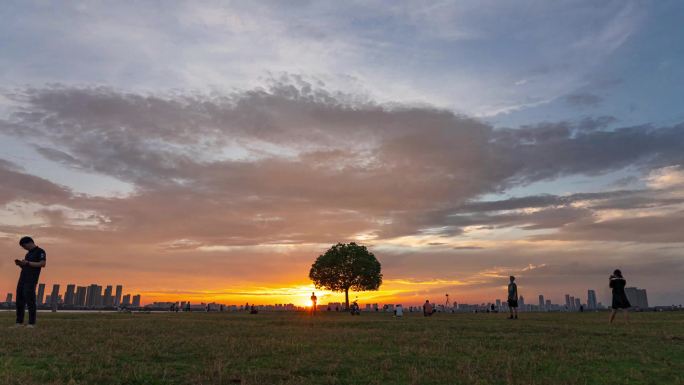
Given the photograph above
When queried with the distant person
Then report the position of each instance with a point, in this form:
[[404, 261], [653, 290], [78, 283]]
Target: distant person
[[355, 309], [513, 298], [314, 301], [399, 311], [28, 279], [428, 309], [620, 301]]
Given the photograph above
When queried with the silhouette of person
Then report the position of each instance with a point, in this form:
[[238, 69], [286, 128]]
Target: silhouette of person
[[428, 309], [28, 279], [314, 300], [513, 298], [620, 301]]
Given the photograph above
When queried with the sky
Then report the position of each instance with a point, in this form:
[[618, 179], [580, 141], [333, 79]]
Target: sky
[[212, 150]]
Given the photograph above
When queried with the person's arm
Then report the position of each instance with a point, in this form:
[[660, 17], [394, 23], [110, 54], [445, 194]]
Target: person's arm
[[35, 264]]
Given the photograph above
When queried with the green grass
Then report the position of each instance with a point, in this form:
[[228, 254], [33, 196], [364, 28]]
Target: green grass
[[287, 348]]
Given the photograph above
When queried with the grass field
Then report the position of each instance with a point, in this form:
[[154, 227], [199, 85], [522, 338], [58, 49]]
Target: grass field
[[288, 348]]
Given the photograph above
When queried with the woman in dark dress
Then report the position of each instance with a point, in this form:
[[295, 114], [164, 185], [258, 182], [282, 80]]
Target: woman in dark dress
[[620, 301]]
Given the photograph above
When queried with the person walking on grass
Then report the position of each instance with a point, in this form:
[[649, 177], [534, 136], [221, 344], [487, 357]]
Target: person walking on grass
[[28, 279], [620, 301], [314, 300], [513, 298]]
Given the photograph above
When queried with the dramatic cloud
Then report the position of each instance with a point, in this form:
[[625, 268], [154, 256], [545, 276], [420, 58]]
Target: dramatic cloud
[[294, 168]]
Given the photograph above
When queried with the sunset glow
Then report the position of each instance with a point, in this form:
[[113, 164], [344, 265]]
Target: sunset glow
[[212, 151]]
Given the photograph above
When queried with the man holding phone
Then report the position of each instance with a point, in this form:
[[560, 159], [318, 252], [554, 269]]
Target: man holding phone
[[28, 279]]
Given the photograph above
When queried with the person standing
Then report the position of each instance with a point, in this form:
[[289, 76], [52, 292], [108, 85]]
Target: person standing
[[428, 309], [314, 301], [513, 298], [620, 301], [30, 266]]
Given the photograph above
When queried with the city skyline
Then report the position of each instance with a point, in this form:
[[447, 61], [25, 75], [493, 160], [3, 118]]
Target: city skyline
[[92, 297], [460, 142]]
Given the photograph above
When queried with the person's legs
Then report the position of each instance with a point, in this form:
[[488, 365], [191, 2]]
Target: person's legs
[[20, 302], [612, 316], [30, 299], [515, 311]]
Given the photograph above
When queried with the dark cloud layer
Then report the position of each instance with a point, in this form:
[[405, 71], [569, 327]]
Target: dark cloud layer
[[334, 166]]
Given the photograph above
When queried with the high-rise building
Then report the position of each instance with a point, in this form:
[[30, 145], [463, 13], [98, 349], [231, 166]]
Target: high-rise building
[[126, 301], [521, 302], [591, 300], [54, 296], [107, 299], [119, 291], [572, 303], [80, 296], [94, 296], [637, 297], [498, 304], [136, 300], [541, 302], [41, 293], [548, 304], [568, 305], [70, 294], [9, 298], [578, 303]]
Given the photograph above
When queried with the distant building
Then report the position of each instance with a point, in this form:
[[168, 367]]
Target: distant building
[[117, 298], [94, 296], [541, 302], [69, 296], [126, 300], [136, 300], [547, 305], [108, 299], [568, 305], [54, 296], [578, 304], [9, 298], [637, 297], [521, 302], [498, 305], [591, 300], [80, 296], [41, 293]]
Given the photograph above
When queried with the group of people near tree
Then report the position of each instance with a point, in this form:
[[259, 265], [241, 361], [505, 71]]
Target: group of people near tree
[[35, 260]]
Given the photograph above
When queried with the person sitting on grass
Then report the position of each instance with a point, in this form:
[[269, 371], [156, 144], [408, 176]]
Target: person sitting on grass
[[428, 309], [28, 279], [513, 298], [399, 311], [620, 301]]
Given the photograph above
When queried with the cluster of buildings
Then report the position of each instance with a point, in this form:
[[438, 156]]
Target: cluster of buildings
[[84, 297], [213, 306]]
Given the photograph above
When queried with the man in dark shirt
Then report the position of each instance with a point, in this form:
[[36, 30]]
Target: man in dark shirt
[[28, 279], [513, 298]]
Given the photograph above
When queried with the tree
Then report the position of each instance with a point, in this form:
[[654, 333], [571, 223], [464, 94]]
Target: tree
[[344, 267]]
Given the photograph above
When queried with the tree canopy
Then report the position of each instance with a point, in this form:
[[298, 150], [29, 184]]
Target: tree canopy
[[344, 267]]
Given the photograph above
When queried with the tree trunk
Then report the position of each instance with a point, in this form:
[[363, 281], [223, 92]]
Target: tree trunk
[[346, 299]]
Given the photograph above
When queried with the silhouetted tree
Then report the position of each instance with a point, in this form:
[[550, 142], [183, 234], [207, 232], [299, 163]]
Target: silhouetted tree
[[344, 267]]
